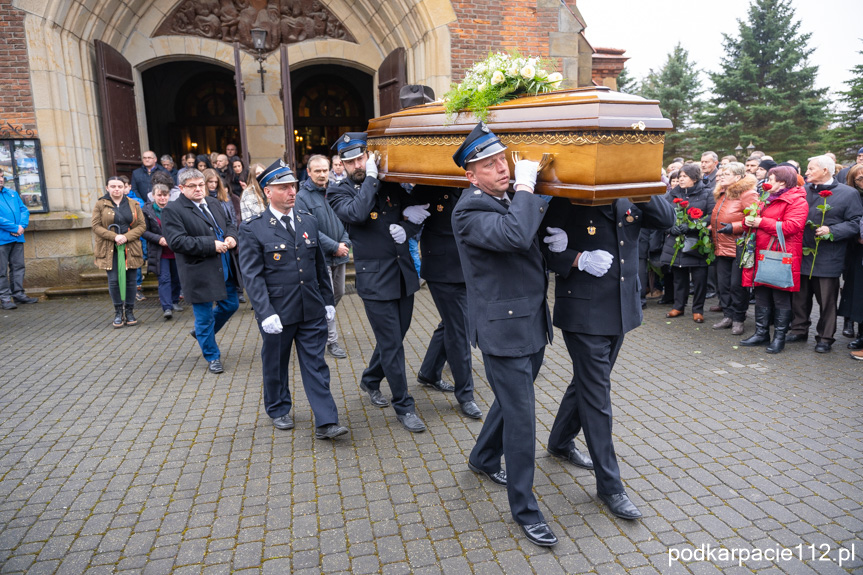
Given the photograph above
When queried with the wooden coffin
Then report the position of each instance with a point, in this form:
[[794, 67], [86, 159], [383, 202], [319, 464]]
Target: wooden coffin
[[602, 145]]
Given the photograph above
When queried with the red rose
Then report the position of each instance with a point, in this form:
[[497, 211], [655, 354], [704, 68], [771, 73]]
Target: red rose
[[695, 213], [677, 200], [766, 187], [683, 204], [825, 193]]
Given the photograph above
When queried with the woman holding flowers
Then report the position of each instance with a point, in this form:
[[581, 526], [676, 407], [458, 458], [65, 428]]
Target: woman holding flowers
[[687, 248], [783, 202], [735, 190]]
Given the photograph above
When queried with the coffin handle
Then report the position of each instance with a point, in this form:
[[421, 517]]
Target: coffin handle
[[543, 162]]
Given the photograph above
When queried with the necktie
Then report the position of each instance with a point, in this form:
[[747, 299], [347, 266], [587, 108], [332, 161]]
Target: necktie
[[206, 211], [289, 223]]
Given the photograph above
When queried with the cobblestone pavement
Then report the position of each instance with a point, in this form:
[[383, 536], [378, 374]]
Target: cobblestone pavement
[[120, 453]]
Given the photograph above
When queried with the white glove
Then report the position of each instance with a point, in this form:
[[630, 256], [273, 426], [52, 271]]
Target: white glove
[[272, 325], [525, 173], [416, 214], [398, 233], [371, 167], [556, 239], [596, 262], [331, 313]]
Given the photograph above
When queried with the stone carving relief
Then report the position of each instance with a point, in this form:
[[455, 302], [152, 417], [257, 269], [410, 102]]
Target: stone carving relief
[[286, 21]]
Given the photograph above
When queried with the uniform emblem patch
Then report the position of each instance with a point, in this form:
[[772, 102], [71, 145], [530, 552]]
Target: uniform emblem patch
[[277, 257], [591, 230], [439, 208], [373, 215]]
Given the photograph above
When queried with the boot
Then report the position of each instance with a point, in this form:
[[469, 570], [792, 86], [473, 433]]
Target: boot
[[848, 330], [118, 316], [857, 344], [130, 315], [781, 322], [762, 328]]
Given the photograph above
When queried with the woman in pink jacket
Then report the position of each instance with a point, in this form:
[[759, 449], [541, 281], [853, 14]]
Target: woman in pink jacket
[[786, 204]]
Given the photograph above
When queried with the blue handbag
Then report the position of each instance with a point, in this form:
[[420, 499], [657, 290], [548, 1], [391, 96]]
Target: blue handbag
[[774, 268]]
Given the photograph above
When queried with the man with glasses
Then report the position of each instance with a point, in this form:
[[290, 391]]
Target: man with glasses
[[199, 234]]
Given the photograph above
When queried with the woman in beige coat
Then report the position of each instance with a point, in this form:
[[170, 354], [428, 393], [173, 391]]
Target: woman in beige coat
[[735, 191], [117, 221]]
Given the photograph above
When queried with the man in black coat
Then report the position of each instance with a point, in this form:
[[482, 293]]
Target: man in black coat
[[508, 314], [372, 212], [841, 223], [199, 234], [441, 268], [286, 278], [594, 252]]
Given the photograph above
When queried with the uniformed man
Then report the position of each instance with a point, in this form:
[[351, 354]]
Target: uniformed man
[[441, 268], [285, 273], [508, 314], [374, 213], [595, 257]]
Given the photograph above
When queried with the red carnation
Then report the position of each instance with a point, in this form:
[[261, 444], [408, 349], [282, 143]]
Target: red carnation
[[695, 213], [825, 193], [766, 187], [683, 204]]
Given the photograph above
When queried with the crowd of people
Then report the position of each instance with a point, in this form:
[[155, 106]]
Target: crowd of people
[[746, 232], [730, 216]]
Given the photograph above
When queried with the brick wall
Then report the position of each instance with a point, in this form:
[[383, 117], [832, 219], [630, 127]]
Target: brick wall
[[16, 98], [499, 25]]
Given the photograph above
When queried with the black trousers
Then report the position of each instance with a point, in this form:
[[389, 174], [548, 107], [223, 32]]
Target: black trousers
[[509, 430], [390, 321], [310, 338], [449, 340], [733, 297], [772, 298], [586, 405], [681, 287], [826, 292]]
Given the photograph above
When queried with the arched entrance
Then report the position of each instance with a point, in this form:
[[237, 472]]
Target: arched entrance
[[190, 106], [329, 100]]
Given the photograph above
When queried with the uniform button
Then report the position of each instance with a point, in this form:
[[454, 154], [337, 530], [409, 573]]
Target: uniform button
[[621, 279], [569, 292], [298, 259], [301, 281], [621, 261], [619, 224], [621, 242], [509, 312], [301, 271], [398, 256], [541, 210]]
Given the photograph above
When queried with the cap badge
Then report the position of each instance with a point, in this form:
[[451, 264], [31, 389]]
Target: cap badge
[[483, 127], [347, 138]]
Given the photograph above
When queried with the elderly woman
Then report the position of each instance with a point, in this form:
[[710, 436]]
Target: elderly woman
[[851, 306], [689, 193], [735, 191], [116, 222], [786, 205]]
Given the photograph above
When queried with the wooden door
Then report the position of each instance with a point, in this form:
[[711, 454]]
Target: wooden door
[[392, 75], [119, 114]]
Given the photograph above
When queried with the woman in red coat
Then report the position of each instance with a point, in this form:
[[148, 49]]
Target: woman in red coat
[[786, 204]]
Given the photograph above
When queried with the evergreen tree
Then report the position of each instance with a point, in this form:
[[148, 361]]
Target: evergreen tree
[[846, 138], [626, 83], [765, 91], [677, 87]]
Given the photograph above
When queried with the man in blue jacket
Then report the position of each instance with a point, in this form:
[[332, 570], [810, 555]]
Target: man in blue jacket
[[141, 176], [14, 217]]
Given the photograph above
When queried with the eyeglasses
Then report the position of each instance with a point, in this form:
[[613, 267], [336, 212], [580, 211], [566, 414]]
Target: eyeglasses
[[195, 186]]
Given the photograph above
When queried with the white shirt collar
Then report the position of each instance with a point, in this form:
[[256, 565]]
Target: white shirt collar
[[279, 214]]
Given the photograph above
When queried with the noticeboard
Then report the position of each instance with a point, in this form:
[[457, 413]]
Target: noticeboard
[[21, 164]]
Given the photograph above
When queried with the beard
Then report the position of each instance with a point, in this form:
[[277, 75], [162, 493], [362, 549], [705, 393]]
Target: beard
[[358, 176]]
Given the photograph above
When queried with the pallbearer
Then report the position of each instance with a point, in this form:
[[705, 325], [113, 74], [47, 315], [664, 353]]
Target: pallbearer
[[496, 234]]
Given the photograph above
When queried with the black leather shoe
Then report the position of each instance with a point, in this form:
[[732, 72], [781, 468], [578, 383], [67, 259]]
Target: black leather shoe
[[284, 422], [498, 477], [439, 385], [25, 300], [216, 366], [471, 409], [412, 422], [792, 337], [856, 344], [848, 330], [620, 505], [540, 534], [822, 347], [375, 395], [241, 298], [8, 304], [336, 350], [192, 333], [330, 431], [573, 456]]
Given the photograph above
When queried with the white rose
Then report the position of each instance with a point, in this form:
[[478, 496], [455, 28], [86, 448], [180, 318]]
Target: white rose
[[528, 72], [555, 78], [512, 70], [497, 78], [481, 87]]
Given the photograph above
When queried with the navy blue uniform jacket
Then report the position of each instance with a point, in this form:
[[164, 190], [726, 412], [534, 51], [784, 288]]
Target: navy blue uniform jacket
[[611, 304], [440, 259], [368, 210], [285, 273], [504, 271]]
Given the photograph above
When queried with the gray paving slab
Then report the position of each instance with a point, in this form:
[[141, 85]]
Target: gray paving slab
[[119, 452]]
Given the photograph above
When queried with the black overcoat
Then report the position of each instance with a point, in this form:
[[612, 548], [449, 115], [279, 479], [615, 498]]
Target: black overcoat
[[698, 197], [843, 218], [440, 259]]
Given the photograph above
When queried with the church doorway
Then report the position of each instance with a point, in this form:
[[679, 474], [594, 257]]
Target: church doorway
[[328, 100], [191, 106]]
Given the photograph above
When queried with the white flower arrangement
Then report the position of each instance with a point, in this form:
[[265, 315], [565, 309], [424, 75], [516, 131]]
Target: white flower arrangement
[[498, 78]]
